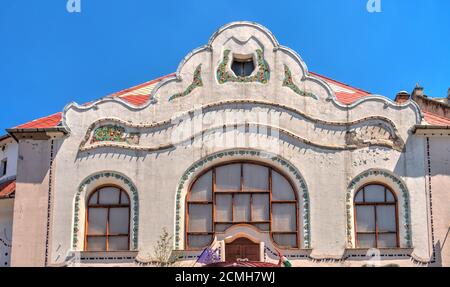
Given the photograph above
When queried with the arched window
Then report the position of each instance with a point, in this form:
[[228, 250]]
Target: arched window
[[241, 193], [376, 217], [108, 220]]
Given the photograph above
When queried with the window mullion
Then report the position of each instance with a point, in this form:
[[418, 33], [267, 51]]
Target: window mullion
[[107, 230], [270, 201], [376, 227], [213, 190]]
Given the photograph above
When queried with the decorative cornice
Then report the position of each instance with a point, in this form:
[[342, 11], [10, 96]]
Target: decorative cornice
[[354, 141], [248, 126]]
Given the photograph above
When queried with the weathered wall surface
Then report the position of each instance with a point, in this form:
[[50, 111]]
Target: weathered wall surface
[[6, 223], [31, 203], [440, 187]]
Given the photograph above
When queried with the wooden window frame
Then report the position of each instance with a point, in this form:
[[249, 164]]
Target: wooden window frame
[[375, 205], [108, 207], [216, 192]]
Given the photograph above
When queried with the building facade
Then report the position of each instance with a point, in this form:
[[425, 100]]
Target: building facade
[[242, 150]]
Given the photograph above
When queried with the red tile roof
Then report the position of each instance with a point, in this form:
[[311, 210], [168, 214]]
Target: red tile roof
[[344, 93], [7, 189], [43, 123], [139, 95], [434, 119]]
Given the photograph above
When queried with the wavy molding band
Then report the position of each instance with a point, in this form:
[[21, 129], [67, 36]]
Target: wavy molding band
[[353, 138], [248, 127]]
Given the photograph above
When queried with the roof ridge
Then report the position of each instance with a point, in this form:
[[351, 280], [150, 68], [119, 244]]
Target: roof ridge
[[340, 83], [41, 118], [436, 115], [151, 82]]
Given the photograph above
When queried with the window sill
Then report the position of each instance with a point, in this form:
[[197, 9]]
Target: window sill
[[110, 256], [384, 252]]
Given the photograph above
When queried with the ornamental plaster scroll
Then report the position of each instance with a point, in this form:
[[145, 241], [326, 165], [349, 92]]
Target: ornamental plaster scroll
[[196, 83], [195, 169], [371, 131], [247, 37], [87, 187], [289, 82], [402, 193]]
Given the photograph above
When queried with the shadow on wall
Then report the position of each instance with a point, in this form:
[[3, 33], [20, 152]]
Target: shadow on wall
[[35, 160], [415, 156]]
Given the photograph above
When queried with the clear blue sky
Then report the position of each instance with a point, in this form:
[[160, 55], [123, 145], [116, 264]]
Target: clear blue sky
[[49, 57]]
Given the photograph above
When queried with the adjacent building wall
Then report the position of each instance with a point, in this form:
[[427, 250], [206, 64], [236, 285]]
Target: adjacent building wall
[[31, 204], [9, 150], [6, 223], [440, 189]]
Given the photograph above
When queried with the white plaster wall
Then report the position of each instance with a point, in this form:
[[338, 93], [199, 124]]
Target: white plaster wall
[[10, 153], [156, 175]]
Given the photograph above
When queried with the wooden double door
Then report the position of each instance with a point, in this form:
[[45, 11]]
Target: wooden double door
[[242, 249]]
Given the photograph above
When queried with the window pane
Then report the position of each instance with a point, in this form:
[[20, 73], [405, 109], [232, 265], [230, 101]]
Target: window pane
[[199, 241], [249, 67], [256, 177], [285, 240], [223, 208], [118, 221], [281, 189], [387, 240], [242, 208], [124, 198], [228, 177], [260, 207], [365, 219], [237, 68], [93, 199], [200, 218], [96, 244], [359, 197], [366, 241], [118, 243], [222, 227], [97, 221], [283, 217], [389, 196], [386, 218], [374, 193], [202, 189], [263, 227], [109, 195]]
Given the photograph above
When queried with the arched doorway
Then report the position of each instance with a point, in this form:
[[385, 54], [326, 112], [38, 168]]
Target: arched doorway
[[242, 249]]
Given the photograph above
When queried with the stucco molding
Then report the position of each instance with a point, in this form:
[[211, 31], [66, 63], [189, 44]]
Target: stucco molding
[[354, 138], [401, 190], [86, 187], [192, 172]]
